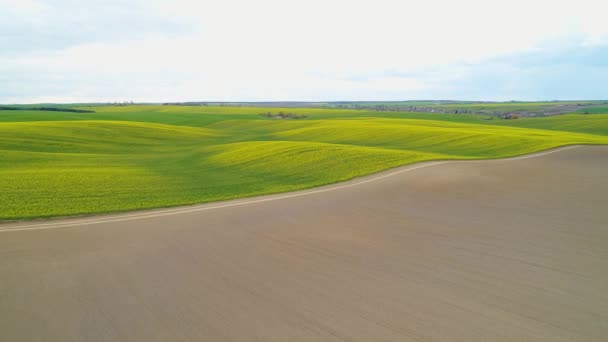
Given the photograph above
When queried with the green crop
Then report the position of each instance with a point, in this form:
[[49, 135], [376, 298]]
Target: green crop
[[134, 157]]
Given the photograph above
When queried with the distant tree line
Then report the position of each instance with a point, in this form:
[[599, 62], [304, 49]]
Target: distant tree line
[[401, 108], [507, 115], [282, 115], [49, 109]]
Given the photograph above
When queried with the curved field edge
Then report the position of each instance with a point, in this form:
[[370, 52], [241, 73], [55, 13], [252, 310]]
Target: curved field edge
[[296, 189], [96, 166], [56, 221]]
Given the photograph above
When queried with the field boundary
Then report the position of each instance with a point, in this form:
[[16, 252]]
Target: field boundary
[[152, 213]]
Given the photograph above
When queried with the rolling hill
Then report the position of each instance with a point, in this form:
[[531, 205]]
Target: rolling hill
[[134, 157]]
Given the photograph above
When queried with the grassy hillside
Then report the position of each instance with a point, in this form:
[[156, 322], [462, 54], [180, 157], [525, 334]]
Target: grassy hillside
[[133, 157]]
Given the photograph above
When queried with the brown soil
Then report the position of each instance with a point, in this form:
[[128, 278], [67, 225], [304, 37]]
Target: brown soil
[[506, 250]]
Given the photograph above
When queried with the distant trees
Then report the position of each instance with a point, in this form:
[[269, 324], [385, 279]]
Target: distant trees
[[510, 116], [49, 109], [283, 115]]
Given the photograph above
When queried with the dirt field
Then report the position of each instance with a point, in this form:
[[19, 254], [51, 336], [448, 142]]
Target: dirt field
[[506, 250]]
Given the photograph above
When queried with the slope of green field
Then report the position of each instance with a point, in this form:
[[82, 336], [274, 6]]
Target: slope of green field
[[134, 157], [594, 110], [590, 123]]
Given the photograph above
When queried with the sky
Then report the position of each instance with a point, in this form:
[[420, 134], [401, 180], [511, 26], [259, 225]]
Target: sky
[[330, 50]]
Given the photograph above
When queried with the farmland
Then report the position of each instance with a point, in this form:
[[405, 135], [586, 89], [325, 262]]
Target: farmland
[[120, 158]]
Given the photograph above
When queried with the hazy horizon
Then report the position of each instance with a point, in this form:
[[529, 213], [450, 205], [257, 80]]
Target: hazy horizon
[[303, 102]]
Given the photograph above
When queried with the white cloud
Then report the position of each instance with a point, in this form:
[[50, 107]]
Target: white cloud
[[277, 50]]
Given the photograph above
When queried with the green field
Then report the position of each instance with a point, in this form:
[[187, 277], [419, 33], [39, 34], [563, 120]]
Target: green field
[[133, 157]]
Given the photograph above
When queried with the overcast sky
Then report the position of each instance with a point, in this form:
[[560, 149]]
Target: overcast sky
[[315, 50]]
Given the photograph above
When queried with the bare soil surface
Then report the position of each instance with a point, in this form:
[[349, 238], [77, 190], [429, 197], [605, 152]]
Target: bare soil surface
[[503, 250]]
